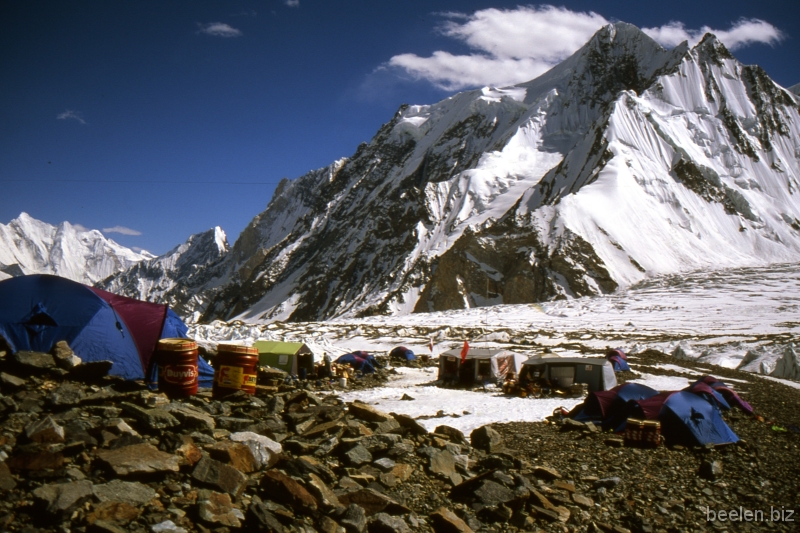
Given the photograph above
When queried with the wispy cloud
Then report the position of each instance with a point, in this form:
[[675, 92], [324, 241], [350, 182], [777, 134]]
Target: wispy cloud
[[743, 33], [70, 114], [515, 45], [122, 229], [292, 3], [219, 29], [246, 13]]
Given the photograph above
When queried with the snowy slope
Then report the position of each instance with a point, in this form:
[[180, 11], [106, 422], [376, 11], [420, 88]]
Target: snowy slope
[[175, 277], [30, 246], [625, 161]]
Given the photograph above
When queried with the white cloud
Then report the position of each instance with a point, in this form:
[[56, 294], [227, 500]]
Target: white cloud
[[545, 33], [453, 72], [292, 3], [70, 114], [516, 45], [80, 228], [122, 229], [743, 33], [219, 29]]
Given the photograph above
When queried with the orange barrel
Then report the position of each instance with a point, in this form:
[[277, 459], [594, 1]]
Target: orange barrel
[[177, 367], [235, 370]]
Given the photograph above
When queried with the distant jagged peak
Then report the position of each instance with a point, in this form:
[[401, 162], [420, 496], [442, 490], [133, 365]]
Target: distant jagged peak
[[68, 250], [795, 89], [212, 242], [711, 48]]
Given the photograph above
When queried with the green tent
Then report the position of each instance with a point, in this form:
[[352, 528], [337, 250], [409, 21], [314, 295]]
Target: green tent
[[291, 357]]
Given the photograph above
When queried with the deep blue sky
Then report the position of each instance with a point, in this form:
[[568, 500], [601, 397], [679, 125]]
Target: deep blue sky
[[129, 114]]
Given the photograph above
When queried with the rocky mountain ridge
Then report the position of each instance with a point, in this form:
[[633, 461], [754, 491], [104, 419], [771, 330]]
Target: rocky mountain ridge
[[176, 277]]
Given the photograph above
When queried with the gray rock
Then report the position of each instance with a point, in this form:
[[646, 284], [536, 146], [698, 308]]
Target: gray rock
[[191, 416], [385, 464], [387, 426], [261, 518], [451, 433], [276, 404], [34, 360], [487, 439], [381, 442], [63, 497], [354, 519], [358, 455], [234, 424], [12, 382], [139, 459], [385, 523], [135, 494], [220, 476], [443, 463], [492, 493], [152, 418], [326, 497], [67, 394], [410, 425], [45, 430]]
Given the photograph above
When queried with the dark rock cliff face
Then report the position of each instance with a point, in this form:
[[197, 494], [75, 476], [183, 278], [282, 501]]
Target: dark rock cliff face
[[508, 264], [348, 218]]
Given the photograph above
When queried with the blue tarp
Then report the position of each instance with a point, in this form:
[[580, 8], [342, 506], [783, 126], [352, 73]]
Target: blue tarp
[[401, 352], [359, 360], [687, 418], [37, 311], [618, 360]]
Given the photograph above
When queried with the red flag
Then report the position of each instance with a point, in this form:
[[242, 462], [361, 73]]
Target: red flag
[[431, 345], [464, 352]]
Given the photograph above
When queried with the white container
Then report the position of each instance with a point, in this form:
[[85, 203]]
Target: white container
[[343, 382]]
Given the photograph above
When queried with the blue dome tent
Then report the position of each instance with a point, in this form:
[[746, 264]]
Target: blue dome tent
[[37, 311]]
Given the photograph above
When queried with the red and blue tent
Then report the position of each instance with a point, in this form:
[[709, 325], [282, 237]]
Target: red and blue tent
[[618, 359], [39, 310]]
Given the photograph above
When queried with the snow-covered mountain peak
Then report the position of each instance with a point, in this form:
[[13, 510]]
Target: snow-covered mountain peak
[[31, 246], [627, 160]]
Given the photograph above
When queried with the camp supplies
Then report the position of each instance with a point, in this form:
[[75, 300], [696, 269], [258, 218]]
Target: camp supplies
[[177, 367], [642, 433], [235, 370]]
